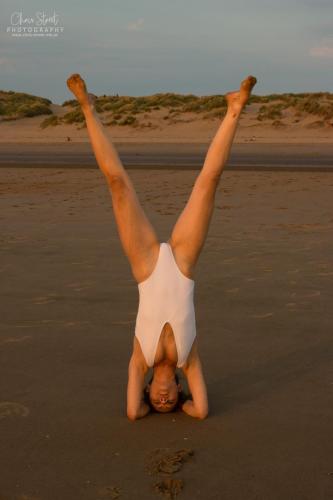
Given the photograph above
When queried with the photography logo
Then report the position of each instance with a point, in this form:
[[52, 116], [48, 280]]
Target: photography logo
[[41, 24]]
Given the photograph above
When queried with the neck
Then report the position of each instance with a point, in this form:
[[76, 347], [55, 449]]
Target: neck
[[164, 372]]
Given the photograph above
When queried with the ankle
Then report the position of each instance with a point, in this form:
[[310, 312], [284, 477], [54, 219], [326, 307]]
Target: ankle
[[87, 107], [234, 112]]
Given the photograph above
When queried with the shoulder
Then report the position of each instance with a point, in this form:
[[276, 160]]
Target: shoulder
[[192, 358]]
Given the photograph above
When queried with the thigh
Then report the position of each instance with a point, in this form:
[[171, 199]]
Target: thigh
[[138, 237], [190, 231]]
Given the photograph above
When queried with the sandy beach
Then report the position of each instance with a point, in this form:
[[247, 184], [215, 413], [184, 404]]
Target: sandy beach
[[263, 297]]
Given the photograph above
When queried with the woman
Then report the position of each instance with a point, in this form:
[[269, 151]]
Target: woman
[[165, 330]]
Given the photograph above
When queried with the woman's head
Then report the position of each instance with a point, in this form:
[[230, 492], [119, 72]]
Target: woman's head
[[164, 396]]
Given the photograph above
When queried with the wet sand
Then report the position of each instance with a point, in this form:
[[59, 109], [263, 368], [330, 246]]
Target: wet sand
[[312, 156], [264, 320]]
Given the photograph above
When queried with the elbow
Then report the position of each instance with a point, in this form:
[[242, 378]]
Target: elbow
[[203, 413], [132, 415]]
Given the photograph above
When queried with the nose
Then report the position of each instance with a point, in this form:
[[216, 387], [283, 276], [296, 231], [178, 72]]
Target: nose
[[163, 399]]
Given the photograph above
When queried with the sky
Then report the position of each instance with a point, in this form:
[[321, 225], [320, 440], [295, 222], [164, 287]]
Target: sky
[[141, 47]]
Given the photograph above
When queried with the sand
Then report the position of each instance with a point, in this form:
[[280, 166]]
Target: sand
[[255, 157], [263, 305]]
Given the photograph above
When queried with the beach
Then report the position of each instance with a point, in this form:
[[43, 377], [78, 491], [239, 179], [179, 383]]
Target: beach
[[263, 298]]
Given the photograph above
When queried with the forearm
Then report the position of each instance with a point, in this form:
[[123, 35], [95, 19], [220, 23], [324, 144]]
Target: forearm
[[189, 408], [219, 149], [140, 412], [143, 410], [105, 153], [136, 405]]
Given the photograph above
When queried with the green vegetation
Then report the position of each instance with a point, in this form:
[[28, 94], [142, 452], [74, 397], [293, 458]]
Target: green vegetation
[[317, 104], [271, 112], [128, 120], [138, 111], [50, 121], [75, 116], [20, 105]]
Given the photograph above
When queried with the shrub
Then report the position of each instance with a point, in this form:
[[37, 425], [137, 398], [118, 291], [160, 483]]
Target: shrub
[[271, 112], [50, 121], [278, 123], [75, 116], [71, 102], [19, 104], [35, 109], [128, 120]]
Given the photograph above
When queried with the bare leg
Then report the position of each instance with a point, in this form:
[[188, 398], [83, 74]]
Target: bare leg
[[190, 230], [137, 235]]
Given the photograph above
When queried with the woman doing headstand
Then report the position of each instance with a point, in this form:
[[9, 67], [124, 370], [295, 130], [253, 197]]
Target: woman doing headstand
[[165, 330]]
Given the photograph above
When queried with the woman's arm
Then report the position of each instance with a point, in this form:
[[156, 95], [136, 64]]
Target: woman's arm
[[198, 407], [136, 407]]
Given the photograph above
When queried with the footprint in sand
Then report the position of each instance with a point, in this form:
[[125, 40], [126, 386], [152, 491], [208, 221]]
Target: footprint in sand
[[169, 488], [262, 316], [11, 409], [165, 461]]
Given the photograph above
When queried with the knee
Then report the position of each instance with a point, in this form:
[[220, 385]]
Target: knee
[[117, 183], [209, 181]]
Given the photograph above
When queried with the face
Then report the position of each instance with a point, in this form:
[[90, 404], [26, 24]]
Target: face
[[164, 395]]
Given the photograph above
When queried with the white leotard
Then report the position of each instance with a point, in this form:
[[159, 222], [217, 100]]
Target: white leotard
[[166, 296]]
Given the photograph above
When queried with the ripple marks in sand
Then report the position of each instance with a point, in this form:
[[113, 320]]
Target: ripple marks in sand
[[12, 409]]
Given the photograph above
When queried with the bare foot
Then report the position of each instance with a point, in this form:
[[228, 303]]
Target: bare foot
[[237, 100], [78, 87]]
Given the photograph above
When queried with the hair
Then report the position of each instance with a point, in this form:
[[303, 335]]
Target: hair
[[182, 396]]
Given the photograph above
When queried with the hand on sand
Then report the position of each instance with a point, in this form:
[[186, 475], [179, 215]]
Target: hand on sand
[[78, 87], [236, 100]]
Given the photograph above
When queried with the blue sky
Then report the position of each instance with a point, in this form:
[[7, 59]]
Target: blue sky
[[189, 46]]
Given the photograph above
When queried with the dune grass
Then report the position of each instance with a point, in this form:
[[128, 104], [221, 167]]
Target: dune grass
[[135, 111], [16, 105]]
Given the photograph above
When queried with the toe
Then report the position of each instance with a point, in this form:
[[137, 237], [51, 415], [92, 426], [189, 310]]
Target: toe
[[249, 83]]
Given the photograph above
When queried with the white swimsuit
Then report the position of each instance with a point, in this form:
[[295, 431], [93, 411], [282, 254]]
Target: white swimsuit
[[166, 296]]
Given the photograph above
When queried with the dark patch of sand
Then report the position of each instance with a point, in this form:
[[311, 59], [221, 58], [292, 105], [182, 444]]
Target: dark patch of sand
[[263, 307]]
